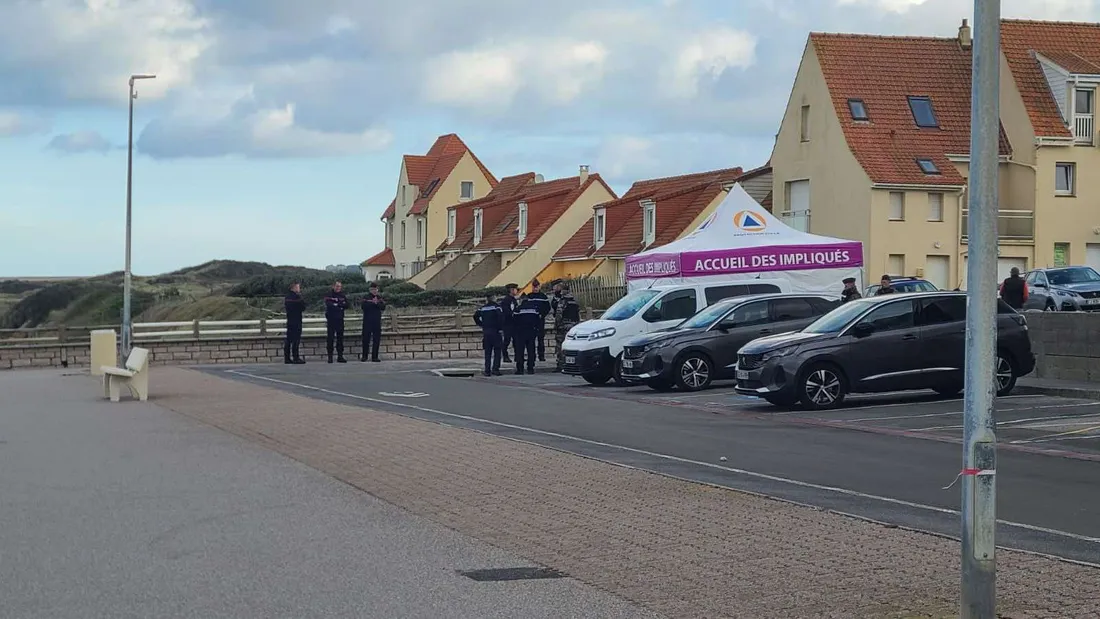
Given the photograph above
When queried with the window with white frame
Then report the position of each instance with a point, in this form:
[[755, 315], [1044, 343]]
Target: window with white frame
[[402, 235], [467, 190], [451, 224], [897, 206], [649, 222], [419, 232], [1065, 179], [477, 226], [599, 227], [935, 207], [522, 230]]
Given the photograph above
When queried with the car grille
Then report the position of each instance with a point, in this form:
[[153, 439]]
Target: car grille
[[633, 352], [749, 362], [1090, 295]]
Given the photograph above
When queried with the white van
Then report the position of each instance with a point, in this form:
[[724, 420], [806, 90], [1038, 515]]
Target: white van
[[593, 349]]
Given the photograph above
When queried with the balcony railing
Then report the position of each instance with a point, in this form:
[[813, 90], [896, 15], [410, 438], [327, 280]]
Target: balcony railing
[[1011, 225], [1083, 128], [799, 220]]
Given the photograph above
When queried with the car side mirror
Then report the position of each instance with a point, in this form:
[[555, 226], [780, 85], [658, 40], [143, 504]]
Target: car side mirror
[[652, 314], [863, 329], [726, 325], [1038, 285]]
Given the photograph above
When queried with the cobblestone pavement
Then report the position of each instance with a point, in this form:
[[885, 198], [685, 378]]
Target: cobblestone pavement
[[678, 548]]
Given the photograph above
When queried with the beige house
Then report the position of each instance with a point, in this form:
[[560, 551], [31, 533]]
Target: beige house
[[416, 219], [874, 146]]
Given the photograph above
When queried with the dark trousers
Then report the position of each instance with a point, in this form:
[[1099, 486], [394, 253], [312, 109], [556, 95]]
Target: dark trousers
[[372, 335], [493, 346], [541, 337], [524, 342], [507, 341], [293, 339], [335, 334]]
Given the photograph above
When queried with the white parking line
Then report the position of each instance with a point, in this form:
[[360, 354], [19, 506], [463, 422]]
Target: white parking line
[[1016, 422], [670, 458]]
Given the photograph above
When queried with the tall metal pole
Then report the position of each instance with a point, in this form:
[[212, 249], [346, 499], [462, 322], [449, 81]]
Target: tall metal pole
[[127, 326], [979, 569]]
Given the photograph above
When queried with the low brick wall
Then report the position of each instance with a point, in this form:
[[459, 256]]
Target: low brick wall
[[1066, 345], [455, 344]]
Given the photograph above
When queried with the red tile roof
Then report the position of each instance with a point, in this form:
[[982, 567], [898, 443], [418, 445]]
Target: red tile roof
[[383, 258], [508, 188], [428, 171], [1073, 46], [883, 72], [390, 210], [546, 203], [679, 200]]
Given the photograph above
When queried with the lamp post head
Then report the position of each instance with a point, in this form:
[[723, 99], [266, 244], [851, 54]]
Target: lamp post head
[[141, 76]]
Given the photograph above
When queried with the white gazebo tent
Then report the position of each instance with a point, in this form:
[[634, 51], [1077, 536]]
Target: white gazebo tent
[[743, 241]]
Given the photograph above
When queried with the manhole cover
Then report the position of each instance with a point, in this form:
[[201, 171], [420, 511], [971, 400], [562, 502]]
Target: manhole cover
[[512, 573], [456, 372]]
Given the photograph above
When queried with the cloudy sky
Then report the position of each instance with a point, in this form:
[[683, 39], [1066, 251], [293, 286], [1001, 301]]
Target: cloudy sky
[[274, 128]]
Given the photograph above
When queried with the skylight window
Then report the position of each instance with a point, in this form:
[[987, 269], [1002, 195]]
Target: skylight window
[[430, 188], [927, 166], [858, 109], [923, 114]]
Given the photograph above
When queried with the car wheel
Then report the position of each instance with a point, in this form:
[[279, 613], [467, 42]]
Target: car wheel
[[1050, 306], [596, 378], [617, 371], [1005, 375], [694, 372], [948, 390], [660, 384], [822, 387]]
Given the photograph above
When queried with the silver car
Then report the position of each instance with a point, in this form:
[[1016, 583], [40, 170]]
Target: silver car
[[1063, 289]]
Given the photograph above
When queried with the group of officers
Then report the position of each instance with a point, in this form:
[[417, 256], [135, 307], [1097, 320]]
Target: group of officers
[[520, 320], [517, 319]]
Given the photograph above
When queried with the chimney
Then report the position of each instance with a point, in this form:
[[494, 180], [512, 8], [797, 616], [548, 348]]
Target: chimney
[[964, 35], [584, 174]]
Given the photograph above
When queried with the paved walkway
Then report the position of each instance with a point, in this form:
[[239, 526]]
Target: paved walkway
[[678, 548], [132, 511]]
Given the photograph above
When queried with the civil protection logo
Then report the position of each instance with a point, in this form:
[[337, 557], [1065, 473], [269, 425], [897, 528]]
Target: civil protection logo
[[749, 221]]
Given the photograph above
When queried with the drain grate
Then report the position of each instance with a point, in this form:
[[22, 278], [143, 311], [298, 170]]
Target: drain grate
[[512, 573]]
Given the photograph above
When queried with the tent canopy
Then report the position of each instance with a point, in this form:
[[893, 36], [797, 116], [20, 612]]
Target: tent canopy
[[742, 239]]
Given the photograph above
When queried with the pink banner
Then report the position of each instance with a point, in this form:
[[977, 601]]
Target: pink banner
[[747, 260]]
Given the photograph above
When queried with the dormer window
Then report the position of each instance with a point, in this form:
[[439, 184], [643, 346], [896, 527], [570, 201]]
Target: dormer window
[[599, 227], [649, 222], [858, 109], [1084, 114], [452, 220], [477, 227], [923, 114], [522, 230]]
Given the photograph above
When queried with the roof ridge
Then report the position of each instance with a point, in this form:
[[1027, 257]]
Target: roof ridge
[[665, 179], [1051, 22], [887, 37]]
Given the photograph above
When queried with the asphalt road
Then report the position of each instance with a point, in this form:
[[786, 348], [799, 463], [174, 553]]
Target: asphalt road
[[886, 458], [128, 510]]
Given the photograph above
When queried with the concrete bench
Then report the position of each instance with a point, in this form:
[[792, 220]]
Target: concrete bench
[[135, 376]]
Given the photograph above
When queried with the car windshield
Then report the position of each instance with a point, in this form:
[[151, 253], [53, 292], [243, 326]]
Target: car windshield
[[1077, 275], [918, 285], [629, 305], [706, 317], [837, 319]]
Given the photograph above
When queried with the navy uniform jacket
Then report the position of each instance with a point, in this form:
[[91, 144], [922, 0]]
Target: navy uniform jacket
[[508, 307], [527, 316], [335, 304], [490, 318], [295, 307], [372, 312], [542, 304]]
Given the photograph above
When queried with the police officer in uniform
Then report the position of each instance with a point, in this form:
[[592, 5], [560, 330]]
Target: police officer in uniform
[[567, 313], [508, 307], [490, 317], [335, 304], [295, 306], [850, 292], [542, 303], [525, 330], [885, 287], [373, 305]]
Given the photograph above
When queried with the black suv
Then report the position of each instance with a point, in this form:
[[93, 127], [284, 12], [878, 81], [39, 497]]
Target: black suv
[[704, 348], [886, 343]]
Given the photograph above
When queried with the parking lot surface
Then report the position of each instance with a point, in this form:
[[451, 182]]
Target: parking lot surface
[[890, 458]]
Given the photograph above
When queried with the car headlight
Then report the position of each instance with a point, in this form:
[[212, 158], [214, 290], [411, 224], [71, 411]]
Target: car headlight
[[657, 345], [602, 333], [1069, 293], [777, 353]]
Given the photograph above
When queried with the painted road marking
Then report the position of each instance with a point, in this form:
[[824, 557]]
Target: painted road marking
[[670, 458], [403, 394]]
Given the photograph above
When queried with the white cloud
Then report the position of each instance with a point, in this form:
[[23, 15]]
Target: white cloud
[[627, 157], [707, 55], [81, 142], [893, 6], [13, 123], [557, 70]]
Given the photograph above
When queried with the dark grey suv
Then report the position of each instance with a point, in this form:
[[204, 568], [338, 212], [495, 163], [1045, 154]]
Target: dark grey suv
[[704, 348], [886, 343]]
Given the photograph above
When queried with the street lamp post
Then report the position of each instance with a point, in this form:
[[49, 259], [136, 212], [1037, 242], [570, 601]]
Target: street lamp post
[[127, 325]]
